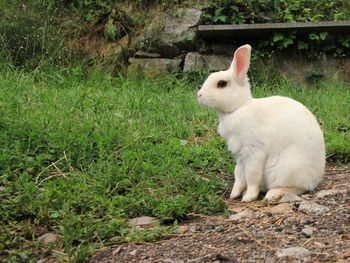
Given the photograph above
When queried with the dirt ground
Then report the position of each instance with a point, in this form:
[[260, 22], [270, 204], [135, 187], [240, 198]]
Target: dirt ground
[[315, 228]]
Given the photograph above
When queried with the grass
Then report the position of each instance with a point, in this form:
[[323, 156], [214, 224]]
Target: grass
[[81, 155]]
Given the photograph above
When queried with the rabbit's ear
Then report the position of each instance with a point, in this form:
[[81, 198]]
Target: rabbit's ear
[[241, 61]]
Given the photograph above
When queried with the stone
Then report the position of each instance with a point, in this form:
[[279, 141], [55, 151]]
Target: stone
[[282, 208], [291, 220], [182, 230], [330, 192], [142, 221], [153, 67], [180, 28], [240, 216], [290, 198], [2, 188], [219, 229], [194, 62], [294, 252], [48, 238], [307, 231], [193, 229], [216, 63], [312, 208], [172, 32], [183, 142], [143, 54]]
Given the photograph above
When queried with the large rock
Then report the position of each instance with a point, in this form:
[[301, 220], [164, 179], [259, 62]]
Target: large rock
[[217, 62], [212, 63], [194, 62], [144, 54], [171, 33], [152, 67]]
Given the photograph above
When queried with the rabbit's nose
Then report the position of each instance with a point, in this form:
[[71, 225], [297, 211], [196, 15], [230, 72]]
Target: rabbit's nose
[[199, 94]]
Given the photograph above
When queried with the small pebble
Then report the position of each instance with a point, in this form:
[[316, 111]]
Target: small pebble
[[182, 229], [307, 231], [291, 220], [142, 221], [241, 215], [193, 229], [282, 208], [294, 252], [330, 192], [48, 238], [290, 198], [219, 229]]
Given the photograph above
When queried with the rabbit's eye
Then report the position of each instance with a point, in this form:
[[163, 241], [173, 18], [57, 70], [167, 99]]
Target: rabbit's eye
[[222, 84]]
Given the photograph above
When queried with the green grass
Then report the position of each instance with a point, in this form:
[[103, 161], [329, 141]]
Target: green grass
[[79, 156]]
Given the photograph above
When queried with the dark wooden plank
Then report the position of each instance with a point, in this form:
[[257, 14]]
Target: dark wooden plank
[[257, 30]]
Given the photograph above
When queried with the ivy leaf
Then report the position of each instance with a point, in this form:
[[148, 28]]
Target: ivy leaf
[[287, 42], [277, 37], [221, 18], [314, 36], [323, 35], [277, 5], [339, 50], [302, 45]]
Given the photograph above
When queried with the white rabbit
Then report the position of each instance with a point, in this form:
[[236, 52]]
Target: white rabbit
[[277, 140]]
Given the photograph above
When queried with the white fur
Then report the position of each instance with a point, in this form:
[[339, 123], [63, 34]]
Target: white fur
[[277, 140]]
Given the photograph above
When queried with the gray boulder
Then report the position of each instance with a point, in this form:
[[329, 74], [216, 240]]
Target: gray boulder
[[216, 62], [212, 63], [171, 33], [194, 62], [152, 67]]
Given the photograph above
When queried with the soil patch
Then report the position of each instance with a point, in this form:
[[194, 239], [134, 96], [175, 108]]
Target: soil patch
[[263, 235]]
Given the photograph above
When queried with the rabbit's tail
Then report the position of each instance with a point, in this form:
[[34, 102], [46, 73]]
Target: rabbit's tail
[[278, 192]]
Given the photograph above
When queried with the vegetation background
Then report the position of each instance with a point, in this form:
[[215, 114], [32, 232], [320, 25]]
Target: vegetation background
[[83, 148]]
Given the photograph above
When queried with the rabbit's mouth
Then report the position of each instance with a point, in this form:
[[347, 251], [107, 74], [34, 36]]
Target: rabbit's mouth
[[203, 101]]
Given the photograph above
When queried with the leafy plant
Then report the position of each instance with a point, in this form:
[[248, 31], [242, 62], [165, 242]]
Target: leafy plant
[[272, 11]]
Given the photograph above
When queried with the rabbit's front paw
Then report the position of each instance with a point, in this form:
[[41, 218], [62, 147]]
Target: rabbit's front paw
[[235, 193], [249, 198], [251, 194], [237, 189]]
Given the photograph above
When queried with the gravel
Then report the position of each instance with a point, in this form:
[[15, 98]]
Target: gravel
[[316, 231]]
